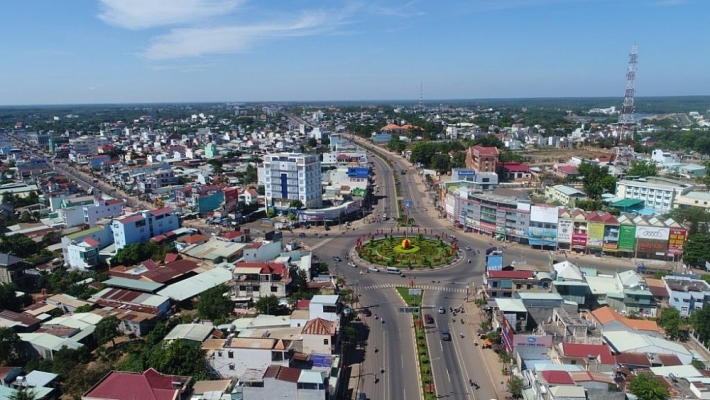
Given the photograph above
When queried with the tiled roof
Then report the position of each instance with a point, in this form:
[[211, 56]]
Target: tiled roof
[[150, 385], [266, 268], [24, 319], [171, 271], [485, 151], [172, 257], [91, 242], [628, 358], [606, 315], [515, 167], [510, 274], [602, 216], [196, 238], [303, 304], [669, 360], [232, 235], [131, 219], [557, 377], [319, 326], [579, 350], [288, 374]]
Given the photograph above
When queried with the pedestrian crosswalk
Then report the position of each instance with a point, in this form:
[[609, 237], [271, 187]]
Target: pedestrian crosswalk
[[424, 287]]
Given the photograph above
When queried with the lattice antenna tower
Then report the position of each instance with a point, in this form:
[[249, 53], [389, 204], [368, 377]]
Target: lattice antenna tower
[[627, 110], [421, 95]]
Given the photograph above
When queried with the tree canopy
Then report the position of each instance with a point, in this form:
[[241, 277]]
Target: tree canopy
[[269, 305], [671, 321], [137, 252], [180, 357], [646, 387], [12, 350], [642, 169], [213, 304], [596, 180], [107, 330]]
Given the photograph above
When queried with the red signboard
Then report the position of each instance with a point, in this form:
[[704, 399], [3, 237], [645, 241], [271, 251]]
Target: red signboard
[[676, 240], [231, 199], [507, 334], [579, 240]]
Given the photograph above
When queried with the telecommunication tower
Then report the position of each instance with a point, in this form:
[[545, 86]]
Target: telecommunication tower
[[421, 95], [627, 110]]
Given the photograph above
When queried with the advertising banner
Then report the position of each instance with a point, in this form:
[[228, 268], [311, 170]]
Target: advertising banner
[[652, 233], [676, 241], [564, 231], [595, 235], [544, 214], [611, 237], [627, 238], [579, 240], [542, 237], [532, 341], [507, 335], [231, 198], [494, 263]]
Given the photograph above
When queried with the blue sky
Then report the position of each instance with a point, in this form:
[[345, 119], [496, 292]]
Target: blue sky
[[127, 51]]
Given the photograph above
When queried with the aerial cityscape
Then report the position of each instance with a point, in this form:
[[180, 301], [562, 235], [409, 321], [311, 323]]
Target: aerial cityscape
[[224, 199]]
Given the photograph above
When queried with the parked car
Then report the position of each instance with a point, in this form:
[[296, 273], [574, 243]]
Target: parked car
[[302, 235], [442, 310], [366, 311], [352, 264], [337, 259], [374, 269], [428, 319], [468, 248], [445, 335]]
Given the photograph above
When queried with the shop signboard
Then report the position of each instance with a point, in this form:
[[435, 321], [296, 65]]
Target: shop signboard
[[627, 238], [532, 341], [676, 241], [652, 239], [564, 231], [611, 237], [579, 240], [595, 234]]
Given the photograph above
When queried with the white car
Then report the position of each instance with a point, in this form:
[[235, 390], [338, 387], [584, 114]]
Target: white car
[[352, 264], [374, 269]]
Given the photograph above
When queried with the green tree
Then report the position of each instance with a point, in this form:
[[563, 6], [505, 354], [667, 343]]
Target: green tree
[[180, 357], [646, 387], [350, 334], [700, 321], [270, 213], [107, 330], [12, 349], [312, 142], [705, 179], [671, 321], [516, 386], [297, 204], [459, 160], [642, 169], [696, 249], [396, 145], [302, 281], [441, 163], [596, 180], [213, 304], [268, 305], [23, 393], [9, 299]]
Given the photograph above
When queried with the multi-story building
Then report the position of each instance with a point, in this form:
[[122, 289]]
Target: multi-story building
[[478, 180], [83, 255], [91, 213], [100, 234], [692, 199], [504, 216], [657, 193], [482, 159], [140, 227], [290, 177], [564, 194], [687, 293], [86, 145], [256, 280], [152, 177]]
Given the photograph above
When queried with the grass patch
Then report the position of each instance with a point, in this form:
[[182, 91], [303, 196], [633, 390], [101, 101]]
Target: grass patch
[[424, 252], [426, 378]]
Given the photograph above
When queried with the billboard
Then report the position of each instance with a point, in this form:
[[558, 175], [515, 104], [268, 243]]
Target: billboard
[[652, 239], [564, 231], [494, 263], [542, 237], [507, 334], [466, 172], [579, 240], [611, 237], [627, 238], [652, 233], [231, 198], [595, 234], [676, 241], [548, 215], [532, 341]]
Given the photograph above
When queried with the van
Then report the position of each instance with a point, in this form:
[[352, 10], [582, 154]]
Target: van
[[393, 270]]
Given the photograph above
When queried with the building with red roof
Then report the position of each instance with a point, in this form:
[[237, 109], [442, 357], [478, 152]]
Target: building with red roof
[[270, 278], [482, 159], [503, 283], [510, 171], [582, 353], [149, 385]]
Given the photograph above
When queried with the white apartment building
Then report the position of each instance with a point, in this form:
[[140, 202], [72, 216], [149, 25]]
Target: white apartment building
[[141, 226], [90, 214], [564, 194], [87, 145], [292, 176], [657, 193]]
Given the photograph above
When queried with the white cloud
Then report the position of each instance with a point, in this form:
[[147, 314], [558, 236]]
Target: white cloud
[[193, 42], [141, 14]]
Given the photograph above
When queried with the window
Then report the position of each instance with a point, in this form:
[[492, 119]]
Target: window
[[325, 341], [274, 289], [231, 366], [230, 354], [519, 286]]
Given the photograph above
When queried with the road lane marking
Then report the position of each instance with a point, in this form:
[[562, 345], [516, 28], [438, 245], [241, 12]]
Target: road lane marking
[[448, 375]]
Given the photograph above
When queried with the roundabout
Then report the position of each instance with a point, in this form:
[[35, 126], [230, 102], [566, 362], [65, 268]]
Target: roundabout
[[413, 252]]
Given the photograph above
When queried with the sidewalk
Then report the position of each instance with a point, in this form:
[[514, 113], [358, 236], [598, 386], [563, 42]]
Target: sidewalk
[[493, 366]]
